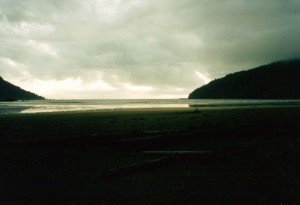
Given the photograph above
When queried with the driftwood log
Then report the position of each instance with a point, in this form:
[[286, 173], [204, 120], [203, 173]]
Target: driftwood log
[[135, 168], [202, 153]]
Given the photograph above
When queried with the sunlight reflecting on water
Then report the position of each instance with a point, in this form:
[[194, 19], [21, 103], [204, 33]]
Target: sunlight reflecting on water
[[40, 106]]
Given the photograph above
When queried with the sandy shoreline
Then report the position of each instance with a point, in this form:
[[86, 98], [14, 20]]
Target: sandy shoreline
[[232, 155], [99, 122]]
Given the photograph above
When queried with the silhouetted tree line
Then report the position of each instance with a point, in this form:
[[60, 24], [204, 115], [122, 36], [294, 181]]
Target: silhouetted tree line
[[279, 80], [10, 92]]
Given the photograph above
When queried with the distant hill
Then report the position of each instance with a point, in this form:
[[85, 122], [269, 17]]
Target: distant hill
[[10, 92], [279, 80]]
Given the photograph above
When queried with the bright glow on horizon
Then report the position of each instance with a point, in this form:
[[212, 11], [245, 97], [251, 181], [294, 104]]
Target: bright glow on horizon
[[137, 88], [75, 88]]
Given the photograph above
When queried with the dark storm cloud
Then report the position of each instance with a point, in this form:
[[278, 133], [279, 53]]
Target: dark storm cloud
[[143, 48]]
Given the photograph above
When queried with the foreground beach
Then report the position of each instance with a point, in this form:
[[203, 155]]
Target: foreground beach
[[233, 155]]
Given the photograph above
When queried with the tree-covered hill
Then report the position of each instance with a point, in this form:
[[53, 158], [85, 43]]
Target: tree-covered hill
[[279, 80], [10, 92]]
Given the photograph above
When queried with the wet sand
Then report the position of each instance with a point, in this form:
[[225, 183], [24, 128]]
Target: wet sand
[[152, 156]]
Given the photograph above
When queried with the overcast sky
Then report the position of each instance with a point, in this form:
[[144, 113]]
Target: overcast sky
[[140, 48]]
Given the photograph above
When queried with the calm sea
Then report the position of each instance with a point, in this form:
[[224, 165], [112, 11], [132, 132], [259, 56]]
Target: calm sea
[[37, 106]]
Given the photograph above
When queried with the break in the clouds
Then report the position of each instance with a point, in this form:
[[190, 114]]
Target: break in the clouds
[[139, 48]]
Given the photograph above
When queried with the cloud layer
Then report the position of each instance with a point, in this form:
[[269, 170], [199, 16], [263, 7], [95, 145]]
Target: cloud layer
[[139, 48]]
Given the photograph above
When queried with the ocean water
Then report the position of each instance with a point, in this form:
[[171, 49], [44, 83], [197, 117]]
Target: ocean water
[[39, 106]]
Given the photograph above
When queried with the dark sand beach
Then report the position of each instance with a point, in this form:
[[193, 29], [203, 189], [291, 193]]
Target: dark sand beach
[[234, 155]]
